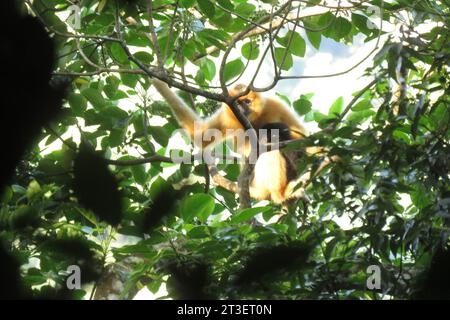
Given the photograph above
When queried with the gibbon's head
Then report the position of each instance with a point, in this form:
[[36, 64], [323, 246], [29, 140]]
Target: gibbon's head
[[251, 104]]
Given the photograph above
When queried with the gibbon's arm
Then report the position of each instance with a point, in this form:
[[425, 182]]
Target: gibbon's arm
[[188, 119], [185, 116], [275, 111], [281, 113]]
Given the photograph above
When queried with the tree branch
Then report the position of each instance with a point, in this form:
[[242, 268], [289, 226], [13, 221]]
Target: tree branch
[[135, 162], [271, 25], [222, 181], [153, 36]]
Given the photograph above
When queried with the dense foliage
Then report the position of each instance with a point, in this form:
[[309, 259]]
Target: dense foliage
[[107, 200]]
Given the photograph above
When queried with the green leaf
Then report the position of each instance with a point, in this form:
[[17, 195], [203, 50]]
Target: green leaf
[[110, 91], [185, 169], [189, 49], [143, 56], [130, 80], [226, 4], [360, 116], [209, 69], [284, 98], [222, 19], [115, 112], [34, 189], [209, 38], [326, 21], [420, 197], [341, 28], [400, 135], [94, 97], [154, 286], [77, 103], [23, 216], [200, 77], [18, 189], [337, 107], [116, 137], [346, 132], [298, 45], [207, 7], [198, 232], [279, 56], [318, 116], [250, 50], [315, 38], [198, 205], [88, 215], [159, 134], [96, 187], [166, 45], [245, 9], [187, 3], [362, 105], [118, 53], [139, 174], [361, 22], [7, 195], [233, 69], [247, 214], [302, 106], [236, 26], [158, 187], [215, 33], [112, 85], [139, 248], [136, 38]]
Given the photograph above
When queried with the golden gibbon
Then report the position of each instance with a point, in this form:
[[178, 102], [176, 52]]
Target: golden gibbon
[[275, 175]]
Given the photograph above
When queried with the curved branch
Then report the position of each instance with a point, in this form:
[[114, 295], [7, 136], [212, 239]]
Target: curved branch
[[354, 66], [153, 36], [135, 162], [271, 25]]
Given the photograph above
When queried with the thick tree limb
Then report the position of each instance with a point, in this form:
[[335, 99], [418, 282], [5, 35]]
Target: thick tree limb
[[244, 184], [222, 181]]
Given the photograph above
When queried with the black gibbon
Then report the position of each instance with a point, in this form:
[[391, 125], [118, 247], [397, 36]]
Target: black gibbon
[[275, 176]]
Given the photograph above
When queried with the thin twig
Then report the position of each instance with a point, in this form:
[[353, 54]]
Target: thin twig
[[154, 37]]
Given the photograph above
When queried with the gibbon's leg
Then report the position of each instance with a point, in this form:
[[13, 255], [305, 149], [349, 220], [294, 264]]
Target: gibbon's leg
[[296, 188], [269, 177]]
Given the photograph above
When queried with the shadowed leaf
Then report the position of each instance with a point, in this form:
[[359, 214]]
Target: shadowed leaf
[[95, 186]]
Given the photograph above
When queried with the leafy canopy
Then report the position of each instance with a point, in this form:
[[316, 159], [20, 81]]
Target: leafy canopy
[[386, 203]]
